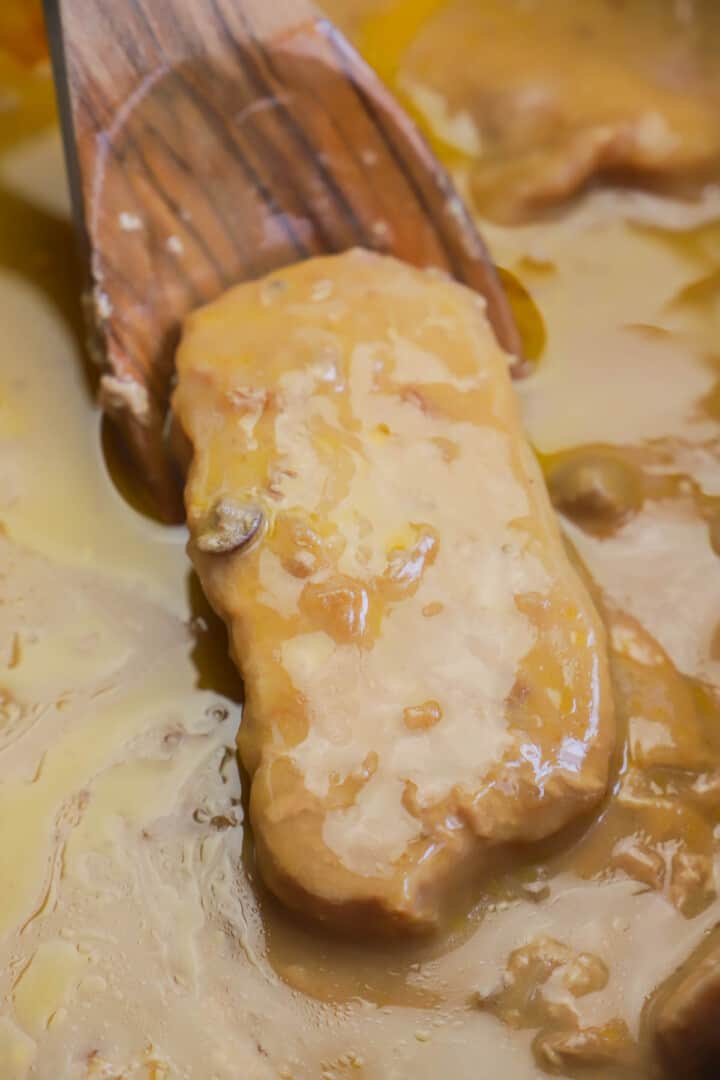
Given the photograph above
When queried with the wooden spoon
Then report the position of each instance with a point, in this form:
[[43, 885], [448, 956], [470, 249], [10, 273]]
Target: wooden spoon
[[210, 141]]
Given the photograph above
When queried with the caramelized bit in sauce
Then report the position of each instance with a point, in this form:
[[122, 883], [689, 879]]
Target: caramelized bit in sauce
[[227, 526], [539, 988], [599, 491], [367, 366], [608, 1046], [422, 717]]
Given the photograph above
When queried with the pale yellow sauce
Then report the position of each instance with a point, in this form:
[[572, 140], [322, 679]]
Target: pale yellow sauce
[[134, 939]]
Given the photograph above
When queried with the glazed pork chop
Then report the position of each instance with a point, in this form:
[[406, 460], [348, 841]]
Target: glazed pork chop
[[619, 90], [425, 674]]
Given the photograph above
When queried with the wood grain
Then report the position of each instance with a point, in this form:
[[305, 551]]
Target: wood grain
[[210, 142]]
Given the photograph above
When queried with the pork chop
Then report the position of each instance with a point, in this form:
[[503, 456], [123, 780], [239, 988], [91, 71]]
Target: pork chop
[[425, 674]]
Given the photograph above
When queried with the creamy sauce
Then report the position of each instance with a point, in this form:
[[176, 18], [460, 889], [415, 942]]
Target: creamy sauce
[[135, 939]]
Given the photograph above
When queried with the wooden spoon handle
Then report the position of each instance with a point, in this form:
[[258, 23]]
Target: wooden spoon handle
[[212, 141]]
